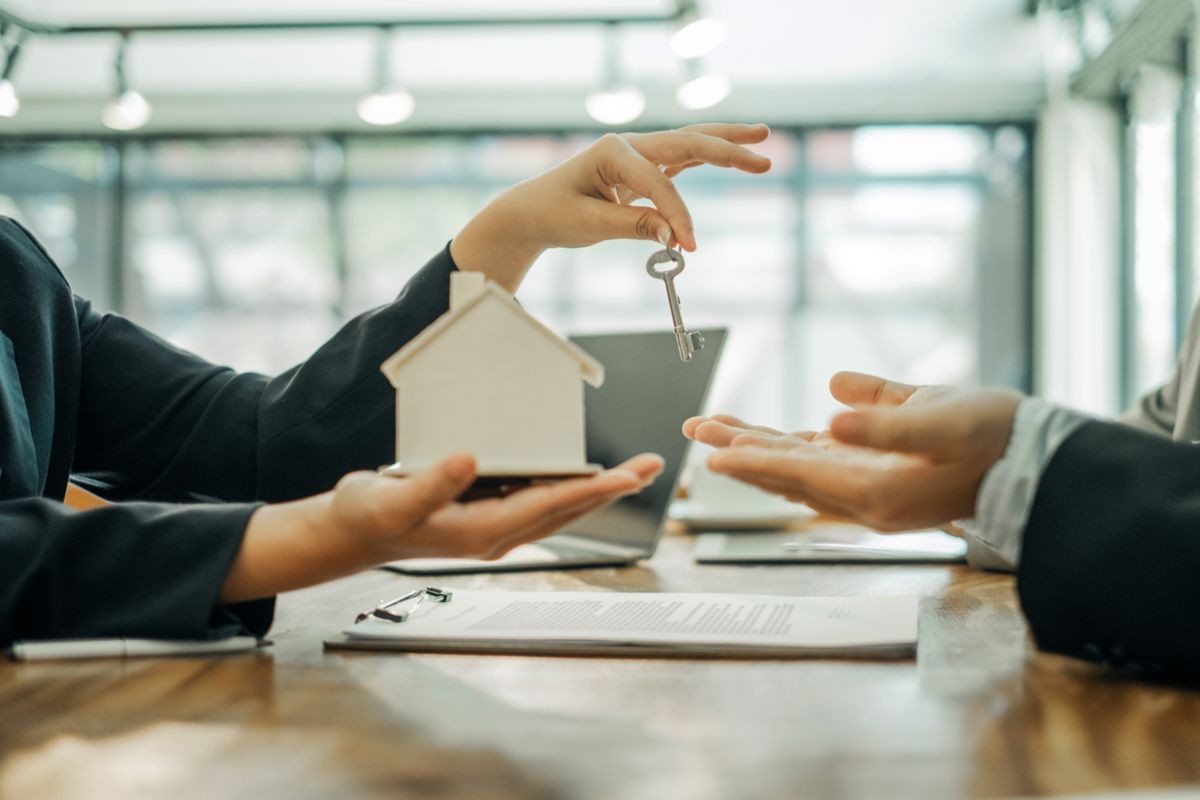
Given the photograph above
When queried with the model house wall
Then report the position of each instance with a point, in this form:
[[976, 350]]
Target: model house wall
[[490, 380]]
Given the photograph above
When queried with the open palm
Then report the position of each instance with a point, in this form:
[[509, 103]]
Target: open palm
[[905, 457]]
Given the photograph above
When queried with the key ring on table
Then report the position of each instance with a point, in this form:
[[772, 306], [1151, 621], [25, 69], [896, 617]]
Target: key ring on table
[[420, 595]]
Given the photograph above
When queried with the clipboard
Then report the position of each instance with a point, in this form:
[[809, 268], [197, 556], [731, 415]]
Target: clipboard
[[639, 625]]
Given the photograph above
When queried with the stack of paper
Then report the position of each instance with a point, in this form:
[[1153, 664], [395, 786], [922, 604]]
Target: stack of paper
[[618, 623]]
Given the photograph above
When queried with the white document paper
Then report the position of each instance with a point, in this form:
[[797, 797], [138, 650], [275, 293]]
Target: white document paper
[[606, 622]]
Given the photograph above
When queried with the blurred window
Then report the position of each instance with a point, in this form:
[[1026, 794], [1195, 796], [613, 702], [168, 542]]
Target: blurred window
[[878, 248], [63, 192], [1153, 319], [231, 249], [1154, 307]]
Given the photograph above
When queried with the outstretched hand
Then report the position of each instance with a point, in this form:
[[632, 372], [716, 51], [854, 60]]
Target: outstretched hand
[[591, 198], [370, 519], [421, 516], [905, 457]]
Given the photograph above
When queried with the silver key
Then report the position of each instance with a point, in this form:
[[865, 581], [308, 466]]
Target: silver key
[[689, 342]]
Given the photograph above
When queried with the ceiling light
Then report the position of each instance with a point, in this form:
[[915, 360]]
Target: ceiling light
[[389, 104], [386, 108], [617, 103], [703, 92], [10, 102], [702, 89], [128, 110], [697, 36], [616, 106]]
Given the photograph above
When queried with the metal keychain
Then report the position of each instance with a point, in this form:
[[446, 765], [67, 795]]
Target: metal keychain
[[688, 342]]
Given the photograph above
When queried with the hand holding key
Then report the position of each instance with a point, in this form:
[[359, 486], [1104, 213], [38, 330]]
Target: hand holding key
[[598, 195], [689, 342]]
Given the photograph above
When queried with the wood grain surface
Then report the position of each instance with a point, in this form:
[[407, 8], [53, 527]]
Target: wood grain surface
[[977, 714]]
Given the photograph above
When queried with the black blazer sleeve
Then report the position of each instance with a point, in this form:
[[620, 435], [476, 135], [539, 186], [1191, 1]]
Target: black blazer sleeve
[[1110, 565], [158, 423], [189, 447], [137, 569]]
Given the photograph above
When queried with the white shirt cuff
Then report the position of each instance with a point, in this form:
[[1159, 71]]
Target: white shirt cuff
[[995, 535]]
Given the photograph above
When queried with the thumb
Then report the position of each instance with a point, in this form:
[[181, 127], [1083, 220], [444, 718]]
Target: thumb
[[634, 222], [421, 494], [924, 429], [859, 389]]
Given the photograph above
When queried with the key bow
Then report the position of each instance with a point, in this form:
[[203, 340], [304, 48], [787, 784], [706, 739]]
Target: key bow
[[661, 257]]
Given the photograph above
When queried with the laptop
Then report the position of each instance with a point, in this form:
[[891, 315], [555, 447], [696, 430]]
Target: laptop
[[647, 394], [816, 543]]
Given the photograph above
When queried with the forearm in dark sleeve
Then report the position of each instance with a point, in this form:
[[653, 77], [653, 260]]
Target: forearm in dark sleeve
[[1110, 569], [158, 423], [136, 569], [335, 413]]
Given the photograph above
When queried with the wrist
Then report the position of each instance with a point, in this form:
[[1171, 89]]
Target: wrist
[[494, 243], [331, 540], [289, 546]]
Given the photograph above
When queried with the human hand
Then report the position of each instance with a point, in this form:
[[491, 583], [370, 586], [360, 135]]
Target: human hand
[[906, 457], [369, 519], [590, 197]]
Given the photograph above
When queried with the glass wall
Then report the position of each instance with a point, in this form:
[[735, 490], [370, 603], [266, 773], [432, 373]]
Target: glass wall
[[1156, 311], [66, 193], [900, 250], [1153, 241]]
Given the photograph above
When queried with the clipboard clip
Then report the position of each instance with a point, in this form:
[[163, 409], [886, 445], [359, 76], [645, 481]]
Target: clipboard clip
[[420, 595]]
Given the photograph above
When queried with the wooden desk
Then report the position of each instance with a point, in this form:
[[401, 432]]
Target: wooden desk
[[977, 715]]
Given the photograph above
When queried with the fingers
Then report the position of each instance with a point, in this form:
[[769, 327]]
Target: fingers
[[691, 146], [416, 497], [626, 166], [962, 427], [859, 389], [671, 172], [633, 222], [886, 491], [790, 492], [632, 164], [733, 132], [529, 507], [728, 419], [716, 434], [827, 484], [550, 525], [804, 472], [758, 462], [769, 442], [719, 429], [646, 466]]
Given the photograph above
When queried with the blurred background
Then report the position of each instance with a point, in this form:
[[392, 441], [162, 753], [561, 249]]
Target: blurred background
[[994, 191]]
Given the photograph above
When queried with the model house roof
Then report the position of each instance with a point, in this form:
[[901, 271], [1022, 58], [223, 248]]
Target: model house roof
[[478, 291]]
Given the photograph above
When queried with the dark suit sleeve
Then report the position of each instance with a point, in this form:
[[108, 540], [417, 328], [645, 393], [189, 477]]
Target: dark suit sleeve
[[1111, 555], [136, 569], [158, 423]]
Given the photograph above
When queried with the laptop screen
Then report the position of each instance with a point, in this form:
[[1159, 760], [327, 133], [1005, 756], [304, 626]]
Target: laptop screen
[[647, 394]]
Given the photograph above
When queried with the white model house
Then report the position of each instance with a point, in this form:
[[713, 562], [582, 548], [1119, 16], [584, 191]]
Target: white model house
[[489, 379]]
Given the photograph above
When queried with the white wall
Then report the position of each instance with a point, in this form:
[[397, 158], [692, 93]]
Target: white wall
[[1077, 319]]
